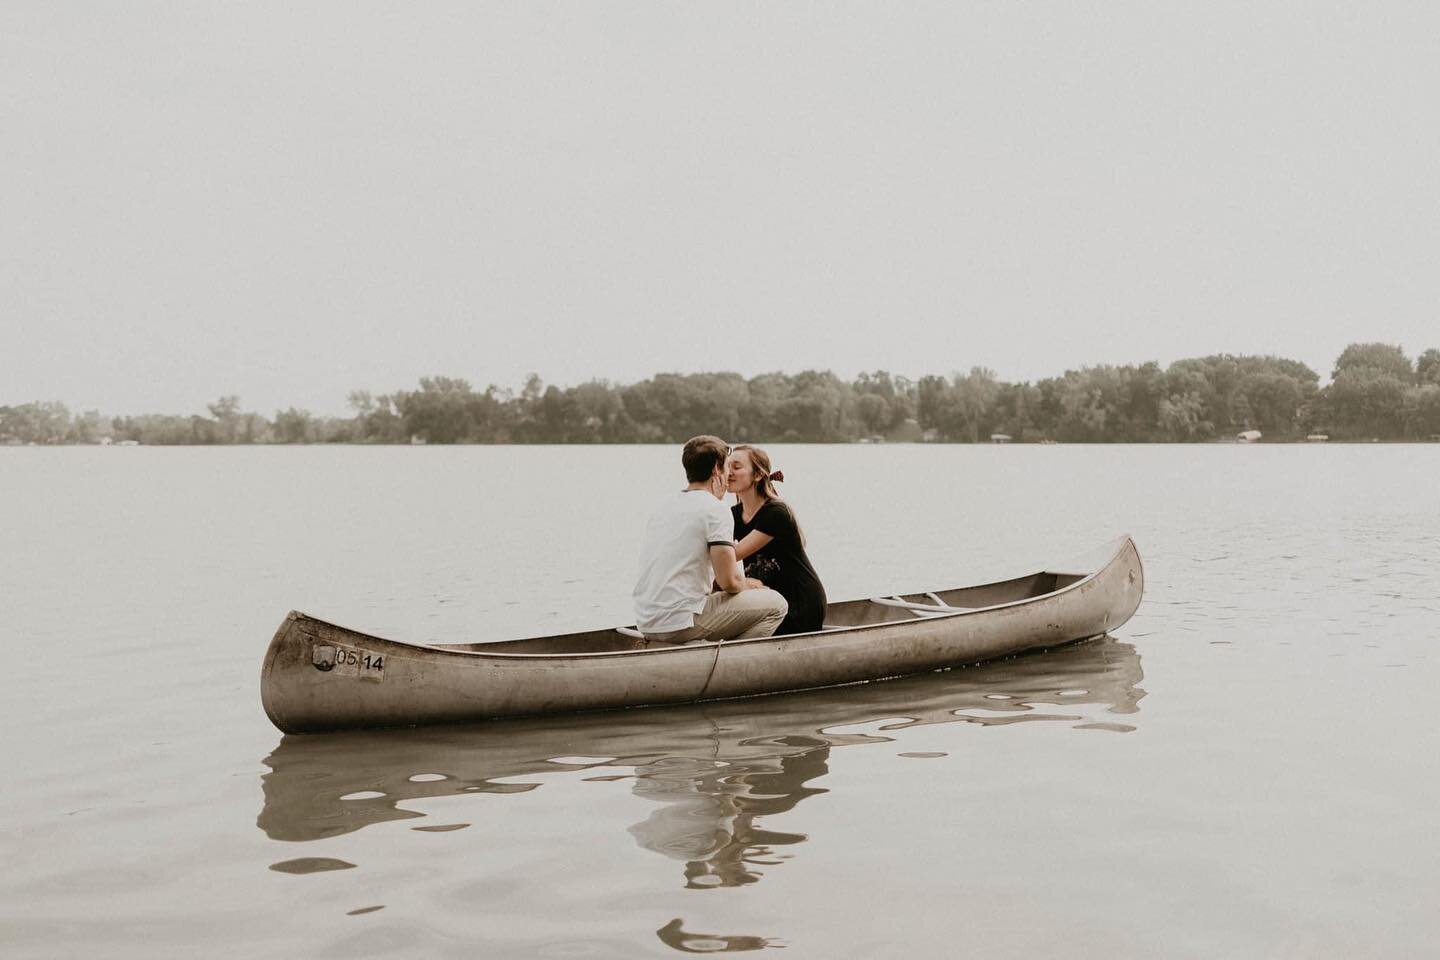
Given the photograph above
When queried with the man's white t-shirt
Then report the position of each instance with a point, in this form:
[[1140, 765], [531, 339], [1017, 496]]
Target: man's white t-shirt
[[675, 570]]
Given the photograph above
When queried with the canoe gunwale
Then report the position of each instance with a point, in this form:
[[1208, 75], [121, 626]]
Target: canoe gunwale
[[941, 615], [1120, 543]]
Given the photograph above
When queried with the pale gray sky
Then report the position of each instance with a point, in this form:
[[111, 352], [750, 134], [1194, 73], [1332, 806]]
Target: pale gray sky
[[289, 201]]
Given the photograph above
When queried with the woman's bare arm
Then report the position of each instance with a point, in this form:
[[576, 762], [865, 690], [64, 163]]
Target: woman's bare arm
[[754, 541]]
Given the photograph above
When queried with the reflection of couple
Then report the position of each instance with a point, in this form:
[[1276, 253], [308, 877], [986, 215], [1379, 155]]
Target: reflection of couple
[[708, 810], [692, 542]]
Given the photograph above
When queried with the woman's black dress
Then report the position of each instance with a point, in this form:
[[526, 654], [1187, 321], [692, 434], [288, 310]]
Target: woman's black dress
[[783, 566]]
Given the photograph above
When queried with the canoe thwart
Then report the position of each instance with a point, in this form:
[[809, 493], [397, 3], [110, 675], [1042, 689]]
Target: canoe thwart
[[920, 607]]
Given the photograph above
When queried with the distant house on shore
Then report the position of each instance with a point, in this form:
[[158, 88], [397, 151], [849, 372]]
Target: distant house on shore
[[1248, 436], [1000, 438], [1317, 438]]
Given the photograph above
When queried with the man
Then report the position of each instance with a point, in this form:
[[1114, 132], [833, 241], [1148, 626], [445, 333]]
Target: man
[[689, 542]]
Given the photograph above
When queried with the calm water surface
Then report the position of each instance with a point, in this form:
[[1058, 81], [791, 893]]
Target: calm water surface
[[1249, 768]]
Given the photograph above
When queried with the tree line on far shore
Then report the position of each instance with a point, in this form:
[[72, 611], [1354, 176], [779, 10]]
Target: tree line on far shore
[[1376, 392]]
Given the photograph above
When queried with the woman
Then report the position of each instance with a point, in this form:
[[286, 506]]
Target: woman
[[769, 542]]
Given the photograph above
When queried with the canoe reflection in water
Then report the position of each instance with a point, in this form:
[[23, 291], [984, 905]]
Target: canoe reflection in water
[[712, 768]]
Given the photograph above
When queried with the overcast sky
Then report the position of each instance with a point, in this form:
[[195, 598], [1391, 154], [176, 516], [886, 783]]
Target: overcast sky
[[288, 201]]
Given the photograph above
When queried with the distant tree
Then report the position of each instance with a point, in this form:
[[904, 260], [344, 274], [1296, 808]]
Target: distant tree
[[902, 405], [1235, 393], [966, 408], [1187, 387], [1381, 357], [819, 409], [203, 431], [640, 409], [1017, 411], [975, 397], [883, 402], [226, 412], [376, 418], [1222, 376], [1272, 401], [672, 407], [88, 427], [1422, 411], [1142, 389], [333, 430], [364, 405], [557, 417], [155, 429], [708, 403], [932, 402], [294, 426], [1366, 402], [533, 390], [1427, 368], [1181, 418], [873, 412], [759, 405], [1081, 411], [39, 423], [439, 412], [596, 414], [254, 428], [879, 384]]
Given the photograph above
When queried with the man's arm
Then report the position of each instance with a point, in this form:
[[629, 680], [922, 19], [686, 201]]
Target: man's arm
[[727, 568]]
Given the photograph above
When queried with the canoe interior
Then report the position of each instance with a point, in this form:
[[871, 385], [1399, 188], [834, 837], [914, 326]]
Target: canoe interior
[[838, 616]]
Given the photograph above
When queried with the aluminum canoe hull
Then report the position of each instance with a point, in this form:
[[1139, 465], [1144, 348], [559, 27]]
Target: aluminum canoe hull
[[322, 676]]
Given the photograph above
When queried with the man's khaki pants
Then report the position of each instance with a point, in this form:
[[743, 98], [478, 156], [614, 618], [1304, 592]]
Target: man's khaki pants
[[730, 616]]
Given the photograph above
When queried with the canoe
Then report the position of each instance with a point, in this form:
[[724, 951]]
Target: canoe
[[321, 676]]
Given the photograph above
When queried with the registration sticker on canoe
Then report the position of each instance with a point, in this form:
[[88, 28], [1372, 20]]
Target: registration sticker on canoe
[[348, 661]]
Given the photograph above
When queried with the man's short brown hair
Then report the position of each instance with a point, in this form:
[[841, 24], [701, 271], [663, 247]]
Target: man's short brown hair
[[702, 455]]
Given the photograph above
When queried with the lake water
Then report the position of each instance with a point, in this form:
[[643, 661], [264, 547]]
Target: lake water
[[1249, 768]]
